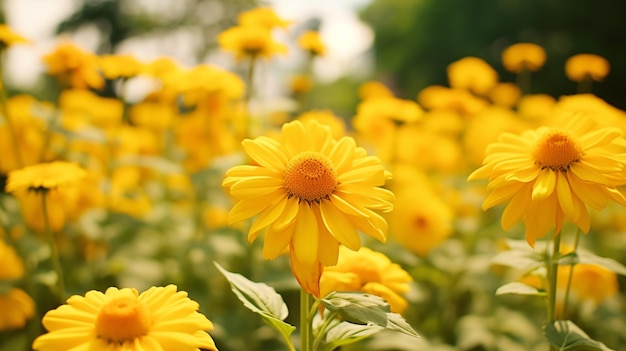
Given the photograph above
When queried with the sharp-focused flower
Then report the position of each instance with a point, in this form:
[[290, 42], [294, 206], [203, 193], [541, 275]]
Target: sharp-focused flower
[[8, 37], [523, 57], [310, 41], [264, 17], [74, 67], [551, 174], [473, 74], [160, 318], [250, 41], [312, 193], [45, 176], [370, 272], [583, 67]]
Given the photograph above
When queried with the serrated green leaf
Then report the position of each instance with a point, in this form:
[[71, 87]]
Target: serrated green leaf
[[358, 308], [398, 323], [519, 289], [344, 333], [567, 336], [262, 299]]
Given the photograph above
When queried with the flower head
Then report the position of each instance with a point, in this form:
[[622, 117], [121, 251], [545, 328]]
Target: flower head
[[45, 176], [16, 306], [250, 41], [523, 57], [8, 37], [74, 67], [370, 272], [120, 66], [374, 89], [552, 173], [311, 42], [160, 318], [311, 193], [473, 74], [582, 67], [264, 17]]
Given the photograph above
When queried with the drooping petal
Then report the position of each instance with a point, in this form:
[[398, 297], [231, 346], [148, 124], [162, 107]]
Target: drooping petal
[[516, 208], [339, 225], [271, 213], [544, 185], [305, 238], [307, 275], [564, 197], [276, 241]]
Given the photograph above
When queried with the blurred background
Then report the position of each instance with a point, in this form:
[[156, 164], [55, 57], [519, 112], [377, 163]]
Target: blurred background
[[406, 44]]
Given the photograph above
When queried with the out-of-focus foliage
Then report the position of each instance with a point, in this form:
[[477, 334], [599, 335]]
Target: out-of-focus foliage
[[416, 39]]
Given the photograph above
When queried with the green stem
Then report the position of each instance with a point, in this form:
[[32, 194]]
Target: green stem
[[306, 329], [56, 262], [553, 269], [249, 93], [5, 112], [523, 81], [320, 334], [571, 272]]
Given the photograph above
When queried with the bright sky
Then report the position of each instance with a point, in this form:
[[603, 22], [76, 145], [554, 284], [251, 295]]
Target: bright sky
[[346, 37]]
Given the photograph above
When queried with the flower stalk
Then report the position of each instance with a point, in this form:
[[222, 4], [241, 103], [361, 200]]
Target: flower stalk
[[56, 261], [306, 329]]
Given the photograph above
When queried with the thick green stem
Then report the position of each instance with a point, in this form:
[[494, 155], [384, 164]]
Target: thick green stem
[[56, 261], [306, 329], [571, 272], [553, 270]]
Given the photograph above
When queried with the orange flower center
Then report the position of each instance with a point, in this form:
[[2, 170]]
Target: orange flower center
[[557, 151], [123, 319], [310, 176]]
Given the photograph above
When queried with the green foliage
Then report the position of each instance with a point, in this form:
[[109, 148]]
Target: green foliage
[[566, 336]]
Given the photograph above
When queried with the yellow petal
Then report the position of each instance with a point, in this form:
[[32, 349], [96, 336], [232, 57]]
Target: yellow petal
[[544, 185], [276, 241], [339, 226], [255, 187], [266, 152], [565, 198], [305, 238], [307, 275], [589, 193], [328, 248], [501, 194], [295, 139], [586, 172], [516, 208], [267, 216], [343, 153]]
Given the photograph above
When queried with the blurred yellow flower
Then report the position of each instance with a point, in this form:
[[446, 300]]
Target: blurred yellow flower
[[552, 173], [300, 83], [84, 108], [11, 265], [583, 67], [45, 176], [523, 57], [473, 74], [160, 318], [74, 67], [311, 42], [262, 17], [326, 117], [374, 89], [8, 37], [592, 282], [120, 66], [536, 108], [370, 272], [461, 101], [250, 41], [312, 193], [153, 115], [505, 94], [17, 308]]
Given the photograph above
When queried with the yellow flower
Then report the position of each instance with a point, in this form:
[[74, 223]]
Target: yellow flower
[[536, 107], [370, 272], [436, 97], [523, 57], [11, 265], [301, 83], [312, 193], [582, 67], [311, 42], [421, 220], [8, 37], [374, 89], [505, 94], [153, 115], [120, 66], [160, 318], [551, 173], [17, 308], [74, 67], [473, 74], [45, 176], [82, 107], [264, 17], [250, 41]]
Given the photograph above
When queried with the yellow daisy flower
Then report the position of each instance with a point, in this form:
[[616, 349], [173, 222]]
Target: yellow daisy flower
[[374, 89], [250, 41], [17, 308], [581, 67], [311, 42], [74, 67], [370, 272], [523, 57], [550, 174], [160, 318], [312, 193], [45, 176], [262, 16], [473, 74]]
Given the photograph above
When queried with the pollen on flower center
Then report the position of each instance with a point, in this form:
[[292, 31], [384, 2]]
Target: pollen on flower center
[[557, 151], [310, 176], [123, 319]]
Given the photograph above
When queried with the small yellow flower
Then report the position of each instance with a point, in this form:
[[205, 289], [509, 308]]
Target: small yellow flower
[[536, 107], [120, 66], [11, 265], [311, 42], [264, 17], [312, 193], [370, 272], [301, 84], [250, 41], [374, 89], [505, 94], [8, 37], [551, 174], [74, 67], [160, 318], [582, 67], [473, 74], [81, 107], [17, 308], [45, 176], [461, 101], [523, 57]]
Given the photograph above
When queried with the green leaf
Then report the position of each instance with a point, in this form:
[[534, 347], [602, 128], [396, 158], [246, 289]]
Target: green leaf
[[263, 300], [344, 333], [519, 256], [519, 289], [358, 308], [398, 323], [589, 257], [567, 336]]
